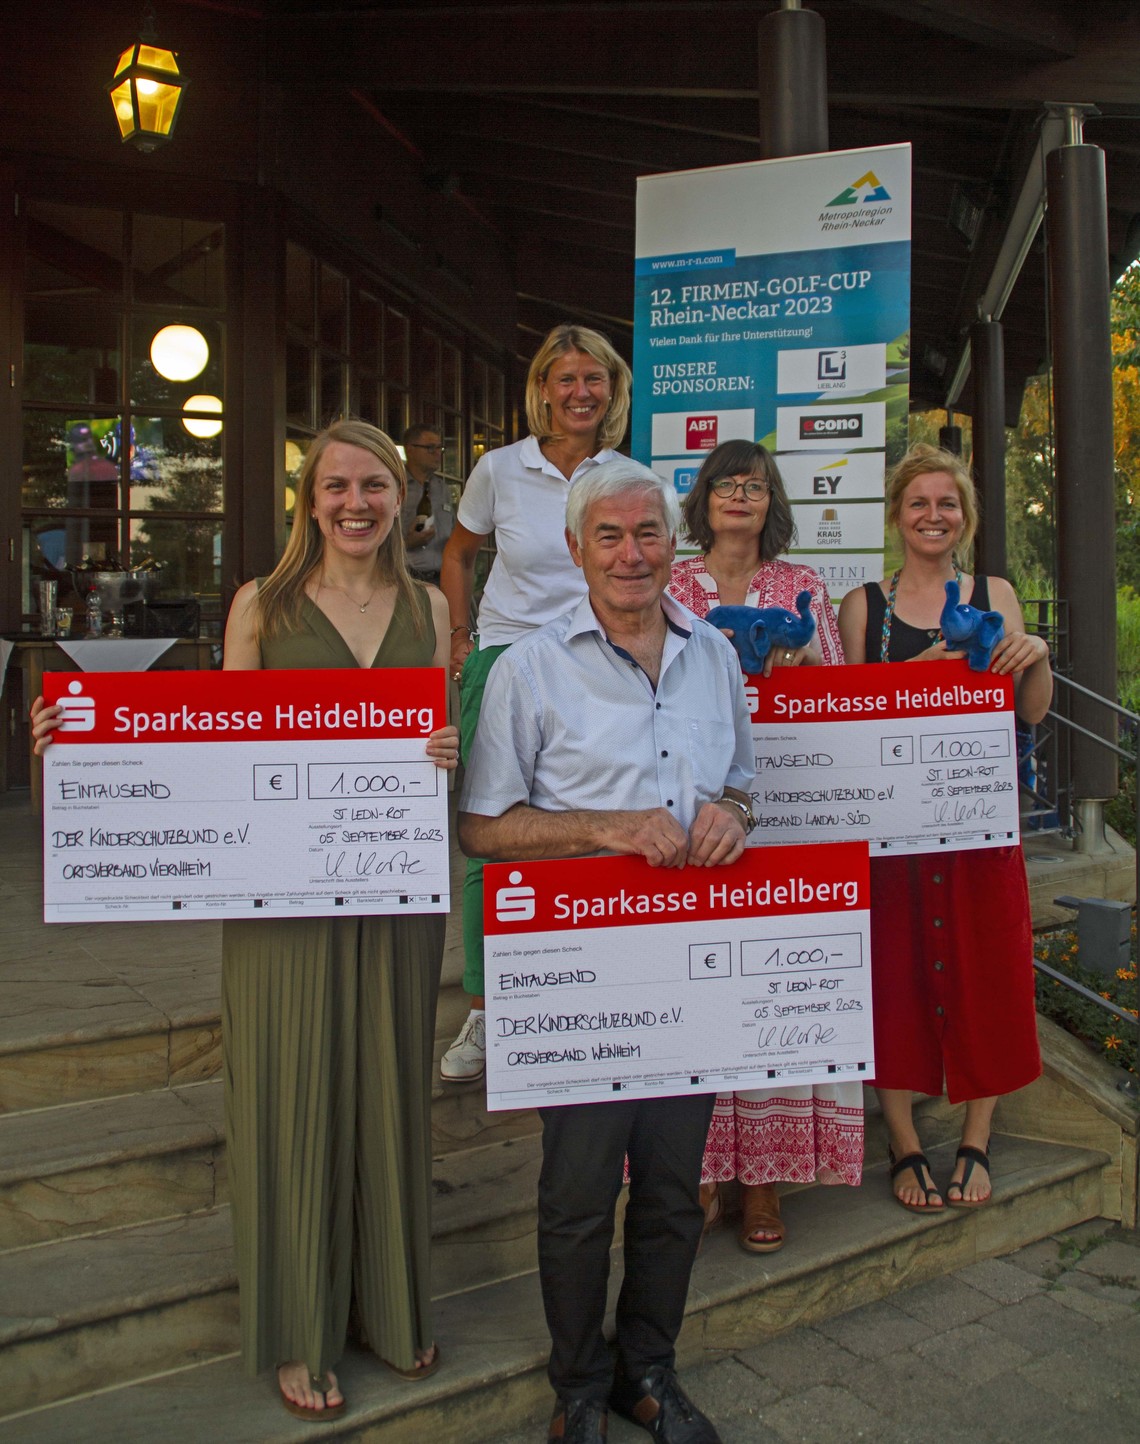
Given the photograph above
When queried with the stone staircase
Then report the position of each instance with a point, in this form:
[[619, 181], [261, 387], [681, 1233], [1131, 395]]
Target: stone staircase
[[118, 1305]]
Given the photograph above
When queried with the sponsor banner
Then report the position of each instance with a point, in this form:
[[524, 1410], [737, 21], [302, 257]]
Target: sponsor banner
[[833, 476], [699, 429], [762, 284], [608, 980], [838, 527], [842, 572], [820, 428], [920, 758], [832, 371], [321, 801]]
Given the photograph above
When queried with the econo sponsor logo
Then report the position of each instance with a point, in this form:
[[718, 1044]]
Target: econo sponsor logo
[[850, 425]]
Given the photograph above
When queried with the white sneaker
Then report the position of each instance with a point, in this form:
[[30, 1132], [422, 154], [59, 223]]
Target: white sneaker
[[466, 1059]]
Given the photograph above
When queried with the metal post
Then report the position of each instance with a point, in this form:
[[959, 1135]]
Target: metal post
[[987, 362], [950, 435], [1077, 233], [793, 82]]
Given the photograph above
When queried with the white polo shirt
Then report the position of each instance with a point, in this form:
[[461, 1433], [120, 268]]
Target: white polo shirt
[[521, 497]]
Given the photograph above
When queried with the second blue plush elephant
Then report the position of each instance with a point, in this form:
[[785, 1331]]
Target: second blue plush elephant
[[968, 630], [756, 630]]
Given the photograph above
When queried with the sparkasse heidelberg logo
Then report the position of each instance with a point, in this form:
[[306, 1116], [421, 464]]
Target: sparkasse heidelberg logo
[[849, 425], [700, 433]]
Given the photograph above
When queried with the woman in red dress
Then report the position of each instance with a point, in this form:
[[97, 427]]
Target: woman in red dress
[[951, 940]]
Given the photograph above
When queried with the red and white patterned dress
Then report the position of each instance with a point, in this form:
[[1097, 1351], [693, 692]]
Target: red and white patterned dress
[[794, 1135]]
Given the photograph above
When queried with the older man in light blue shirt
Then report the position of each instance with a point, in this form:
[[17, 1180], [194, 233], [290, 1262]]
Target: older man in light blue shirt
[[621, 727]]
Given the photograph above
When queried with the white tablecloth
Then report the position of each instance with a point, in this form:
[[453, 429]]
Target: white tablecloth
[[116, 654]]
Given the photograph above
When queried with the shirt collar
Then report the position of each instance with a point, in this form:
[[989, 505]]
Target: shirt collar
[[532, 458], [678, 619]]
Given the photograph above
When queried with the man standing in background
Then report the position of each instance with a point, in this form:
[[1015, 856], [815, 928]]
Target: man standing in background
[[428, 512]]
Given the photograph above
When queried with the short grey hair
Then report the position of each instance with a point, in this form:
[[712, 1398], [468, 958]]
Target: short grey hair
[[618, 478]]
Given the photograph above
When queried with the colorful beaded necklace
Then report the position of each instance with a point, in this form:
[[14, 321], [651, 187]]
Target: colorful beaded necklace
[[889, 616]]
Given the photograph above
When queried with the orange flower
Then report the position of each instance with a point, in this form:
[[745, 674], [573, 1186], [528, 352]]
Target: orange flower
[[1112, 1041]]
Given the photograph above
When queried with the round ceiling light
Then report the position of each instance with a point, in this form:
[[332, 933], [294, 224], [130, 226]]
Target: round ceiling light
[[179, 353], [201, 425]]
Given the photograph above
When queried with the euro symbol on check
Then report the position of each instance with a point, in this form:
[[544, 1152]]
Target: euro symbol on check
[[710, 960], [275, 782], [897, 749]]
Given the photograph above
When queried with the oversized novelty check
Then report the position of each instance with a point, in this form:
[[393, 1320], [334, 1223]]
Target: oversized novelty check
[[244, 794], [608, 979], [918, 757]]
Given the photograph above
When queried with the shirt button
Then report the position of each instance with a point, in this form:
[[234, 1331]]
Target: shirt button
[[937, 967], [937, 877], [668, 802], [665, 754], [940, 1011], [937, 922], [658, 706]]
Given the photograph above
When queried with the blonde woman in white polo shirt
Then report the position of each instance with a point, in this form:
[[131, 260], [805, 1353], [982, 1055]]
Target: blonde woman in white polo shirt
[[577, 406]]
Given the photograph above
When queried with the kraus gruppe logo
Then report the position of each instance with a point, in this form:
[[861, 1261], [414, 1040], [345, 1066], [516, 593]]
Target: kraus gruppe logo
[[867, 190], [849, 426]]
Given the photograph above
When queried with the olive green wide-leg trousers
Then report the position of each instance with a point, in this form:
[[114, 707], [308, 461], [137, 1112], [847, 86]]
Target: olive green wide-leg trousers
[[327, 1031]]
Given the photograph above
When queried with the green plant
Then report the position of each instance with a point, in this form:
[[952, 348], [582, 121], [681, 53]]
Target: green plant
[[1104, 1033]]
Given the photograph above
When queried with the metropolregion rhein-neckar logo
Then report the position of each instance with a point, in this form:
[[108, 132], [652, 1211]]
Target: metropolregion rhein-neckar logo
[[869, 191]]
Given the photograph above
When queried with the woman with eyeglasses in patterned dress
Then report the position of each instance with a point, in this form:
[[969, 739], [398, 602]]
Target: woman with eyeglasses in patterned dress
[[738, 514]]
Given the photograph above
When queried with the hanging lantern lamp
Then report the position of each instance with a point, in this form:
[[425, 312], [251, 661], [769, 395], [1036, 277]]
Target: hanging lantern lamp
[[147, 90]]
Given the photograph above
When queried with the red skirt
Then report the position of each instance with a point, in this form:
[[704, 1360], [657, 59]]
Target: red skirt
[[952, 973]]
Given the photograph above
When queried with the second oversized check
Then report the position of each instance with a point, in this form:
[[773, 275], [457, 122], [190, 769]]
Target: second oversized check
[[609, 979]]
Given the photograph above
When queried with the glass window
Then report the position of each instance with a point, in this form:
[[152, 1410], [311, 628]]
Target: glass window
[[396, 331], [74, 252], [334, 310], [174, 359], [187, 555], [299, 384], [366, 332], [71, 462], [178, 262], [71, 354], [300, 313], [173, 471], [333, 376]]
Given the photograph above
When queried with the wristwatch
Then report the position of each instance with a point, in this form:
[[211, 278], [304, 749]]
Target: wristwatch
[[747, 816]]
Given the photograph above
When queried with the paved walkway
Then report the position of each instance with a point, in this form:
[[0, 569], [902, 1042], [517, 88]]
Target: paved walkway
[[1038, 1346]]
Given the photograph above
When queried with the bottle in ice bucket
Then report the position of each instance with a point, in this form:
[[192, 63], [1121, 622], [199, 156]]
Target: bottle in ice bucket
[[94, 614]]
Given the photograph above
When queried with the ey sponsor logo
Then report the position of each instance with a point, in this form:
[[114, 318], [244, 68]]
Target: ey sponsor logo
[[700, 433], [831, 366], [77, 712], [849, 425], [866, 190], [826, 481], [514, 904]]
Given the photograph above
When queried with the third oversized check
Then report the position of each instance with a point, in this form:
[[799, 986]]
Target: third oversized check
[[917, 757], [609, 979]]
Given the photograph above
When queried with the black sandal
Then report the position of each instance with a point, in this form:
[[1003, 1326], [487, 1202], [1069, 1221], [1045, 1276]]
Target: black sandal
[[918, 1163], [973, 1157]]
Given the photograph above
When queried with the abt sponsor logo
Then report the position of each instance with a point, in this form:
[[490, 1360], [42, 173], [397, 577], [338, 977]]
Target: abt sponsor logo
[[848, 426], [514, 904], [700, 433]]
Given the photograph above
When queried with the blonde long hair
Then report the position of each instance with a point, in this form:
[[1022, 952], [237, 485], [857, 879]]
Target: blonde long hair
[[559, 342], [280, 596]]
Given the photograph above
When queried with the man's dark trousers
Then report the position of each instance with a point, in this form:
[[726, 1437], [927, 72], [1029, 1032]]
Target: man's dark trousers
[[583, 1148]]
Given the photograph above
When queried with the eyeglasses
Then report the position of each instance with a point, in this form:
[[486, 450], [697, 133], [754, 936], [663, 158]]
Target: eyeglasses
[[728, 485], [426, 445]]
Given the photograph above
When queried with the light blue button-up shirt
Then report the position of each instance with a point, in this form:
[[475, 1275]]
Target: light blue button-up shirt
[[570, 721]]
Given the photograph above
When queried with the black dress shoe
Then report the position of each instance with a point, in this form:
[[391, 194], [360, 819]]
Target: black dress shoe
[[659, 1404], [578, 1421]]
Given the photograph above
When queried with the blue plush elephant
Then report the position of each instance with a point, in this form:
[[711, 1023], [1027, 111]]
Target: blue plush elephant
[[756, 630], [968, 630]]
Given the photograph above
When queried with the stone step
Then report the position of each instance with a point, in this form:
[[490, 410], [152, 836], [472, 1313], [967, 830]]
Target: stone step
[[88, 1167], [846, 1247]]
